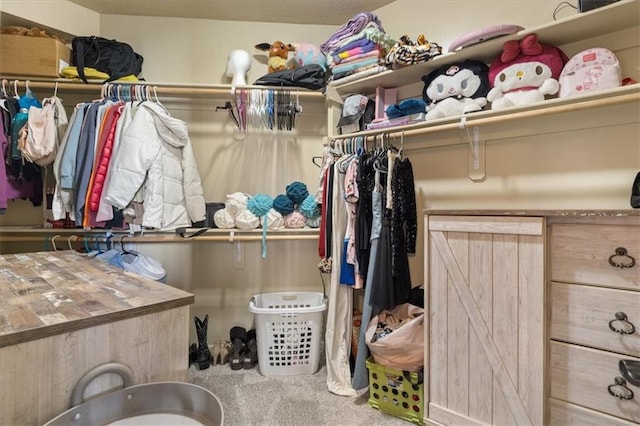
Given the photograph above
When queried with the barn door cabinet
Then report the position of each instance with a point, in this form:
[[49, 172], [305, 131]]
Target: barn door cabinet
[[530, 316]]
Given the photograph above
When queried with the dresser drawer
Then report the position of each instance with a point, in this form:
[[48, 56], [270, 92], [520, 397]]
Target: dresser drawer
[[575, 318], [564, 414], [582, 376], [584, 253]]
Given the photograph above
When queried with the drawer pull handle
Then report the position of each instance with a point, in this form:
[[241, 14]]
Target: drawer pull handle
[[630, 370], [620, 389], [627, 326], [621, 259]]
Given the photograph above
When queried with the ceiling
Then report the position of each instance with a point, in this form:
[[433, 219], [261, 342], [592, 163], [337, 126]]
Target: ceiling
[[321, 12]]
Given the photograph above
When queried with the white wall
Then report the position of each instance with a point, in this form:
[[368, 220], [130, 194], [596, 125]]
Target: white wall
[[442, 21], [180, 50], [62, 15]]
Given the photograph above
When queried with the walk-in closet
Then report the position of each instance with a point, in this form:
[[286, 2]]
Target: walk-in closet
[[375, 212]]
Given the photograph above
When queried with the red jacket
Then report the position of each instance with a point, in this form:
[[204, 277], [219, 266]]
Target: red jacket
[[103, 157]]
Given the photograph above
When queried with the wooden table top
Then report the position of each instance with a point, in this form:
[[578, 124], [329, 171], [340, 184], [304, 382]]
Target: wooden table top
[[48, 293]]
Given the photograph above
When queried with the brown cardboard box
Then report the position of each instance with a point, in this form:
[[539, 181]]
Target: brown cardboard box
[[32, 56]]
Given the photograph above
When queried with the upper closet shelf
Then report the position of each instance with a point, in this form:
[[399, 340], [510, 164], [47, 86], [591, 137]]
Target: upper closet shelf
[[162, 89], [604, 98], [597, 22]]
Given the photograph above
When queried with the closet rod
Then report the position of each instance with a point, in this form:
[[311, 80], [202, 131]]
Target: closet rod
[[175, 90], [62, 240], [483, 121]]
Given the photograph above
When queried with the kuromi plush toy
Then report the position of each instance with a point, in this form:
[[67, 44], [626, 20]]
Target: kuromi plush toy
[[524, 73], [455, 89]]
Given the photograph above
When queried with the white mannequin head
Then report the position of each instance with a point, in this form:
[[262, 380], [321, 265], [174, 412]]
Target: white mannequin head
[[238, 65]]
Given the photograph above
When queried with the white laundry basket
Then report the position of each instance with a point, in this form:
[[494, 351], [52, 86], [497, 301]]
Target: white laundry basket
[[288, 331]]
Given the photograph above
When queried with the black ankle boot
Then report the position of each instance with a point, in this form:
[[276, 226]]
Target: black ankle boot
[[238, 337], [193, 353], [203, 354], [250, 358]]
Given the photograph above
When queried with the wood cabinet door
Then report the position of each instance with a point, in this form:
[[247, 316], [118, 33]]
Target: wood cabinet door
[[485, 335]]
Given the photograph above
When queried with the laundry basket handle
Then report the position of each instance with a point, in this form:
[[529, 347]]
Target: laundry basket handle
[[77, 396]]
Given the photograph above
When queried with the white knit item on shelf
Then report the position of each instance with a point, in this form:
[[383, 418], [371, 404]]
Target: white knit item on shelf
[[224, 219], [247, 220], [236, 202], [275, 220]]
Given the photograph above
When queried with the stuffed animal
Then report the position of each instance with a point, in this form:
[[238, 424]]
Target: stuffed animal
[[524, 73], [407, 52], [31, 32], [455, 89], [308, 54], [278, 55]]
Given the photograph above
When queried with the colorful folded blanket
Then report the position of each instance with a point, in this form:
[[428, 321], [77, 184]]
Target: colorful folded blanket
[[351, 27], [375, 53], [347, 77], [361, 42], [338, 57], [353, 65], [370, 32]]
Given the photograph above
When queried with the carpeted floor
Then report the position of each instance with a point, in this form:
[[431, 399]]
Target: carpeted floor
[[250, 399]]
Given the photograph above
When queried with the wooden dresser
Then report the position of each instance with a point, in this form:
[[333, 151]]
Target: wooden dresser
[[62, 314], [531, 313], [594, 302]]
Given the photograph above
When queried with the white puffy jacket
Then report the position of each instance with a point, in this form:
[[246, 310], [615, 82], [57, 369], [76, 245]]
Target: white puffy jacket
[[155, 151]]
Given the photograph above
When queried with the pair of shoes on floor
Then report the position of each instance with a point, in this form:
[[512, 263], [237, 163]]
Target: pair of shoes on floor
[[200, 354], [220, 352], [244, 348]]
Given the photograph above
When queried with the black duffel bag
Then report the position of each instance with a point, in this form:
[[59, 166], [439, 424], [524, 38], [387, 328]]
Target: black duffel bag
[[309, 76], [108, 56]]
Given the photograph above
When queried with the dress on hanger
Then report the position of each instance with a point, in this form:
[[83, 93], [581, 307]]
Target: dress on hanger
[[360, 373]]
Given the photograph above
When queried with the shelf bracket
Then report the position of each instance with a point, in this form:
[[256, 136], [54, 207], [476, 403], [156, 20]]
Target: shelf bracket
[[476, 155]]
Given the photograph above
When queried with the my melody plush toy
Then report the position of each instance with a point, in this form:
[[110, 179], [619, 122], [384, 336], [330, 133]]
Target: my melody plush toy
[[524, 73], [455, 89]]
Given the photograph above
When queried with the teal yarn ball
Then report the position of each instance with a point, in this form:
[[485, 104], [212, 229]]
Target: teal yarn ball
[[283, 205], [260, 204], [297, 192], [309, 207]]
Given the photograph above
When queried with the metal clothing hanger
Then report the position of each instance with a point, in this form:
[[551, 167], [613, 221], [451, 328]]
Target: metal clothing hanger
[[124, 250], [156, 99], [53, 242], [380, 162], [3, 96], [71, 238]]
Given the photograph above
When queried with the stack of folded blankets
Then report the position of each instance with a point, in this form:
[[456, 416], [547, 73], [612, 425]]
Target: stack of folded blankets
[[358, 49]]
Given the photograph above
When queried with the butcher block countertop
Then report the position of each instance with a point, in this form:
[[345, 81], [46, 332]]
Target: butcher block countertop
[[47, 293]]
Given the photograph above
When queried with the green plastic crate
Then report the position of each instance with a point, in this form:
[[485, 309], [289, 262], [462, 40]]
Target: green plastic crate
[[395, 393]]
